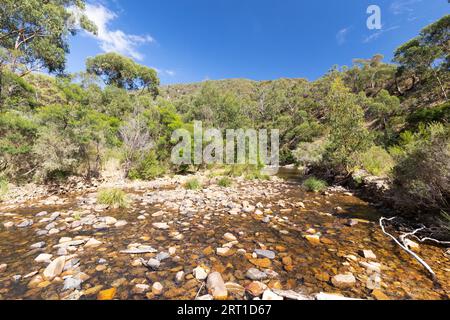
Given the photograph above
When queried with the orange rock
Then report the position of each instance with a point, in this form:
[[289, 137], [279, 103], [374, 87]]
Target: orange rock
[[287, 261], [326, 241], [379, 295], [289, 267], [106, 294], [275, 284], [313, 239], [322, 276], [262, 263], [280, 248], [256, 288], [208, 251]]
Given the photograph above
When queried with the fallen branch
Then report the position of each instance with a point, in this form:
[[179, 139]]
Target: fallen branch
[[419, 259]]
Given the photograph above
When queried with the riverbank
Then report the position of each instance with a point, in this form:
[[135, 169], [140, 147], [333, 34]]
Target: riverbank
[[254, 239]]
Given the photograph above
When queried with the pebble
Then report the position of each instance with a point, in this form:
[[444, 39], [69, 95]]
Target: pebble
[[255, 274], [72, 283], [43, 257], [216, 286], [200, 273], [229, 237], [157, 288], [368, 254], [270, 295], [3, 267], [55, 268], [159, 225], [343, 281], [265, 254]]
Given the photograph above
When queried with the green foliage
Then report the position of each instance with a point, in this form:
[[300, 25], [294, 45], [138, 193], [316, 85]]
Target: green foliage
[[225, 182], [148, 169], [310, 153], [193, 184], [348, 134], [123, 72], [3, 187], [440, 113], [36, 32], [115, 198], [422, 173], [313, 184], [377, 161]]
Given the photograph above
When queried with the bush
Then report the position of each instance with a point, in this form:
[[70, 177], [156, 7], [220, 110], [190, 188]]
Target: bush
[[314, 185], [148, 169], [192, 184], [422, 175], [377, 161], [309, 153], [3, 187], [224, 182], [113, 197]]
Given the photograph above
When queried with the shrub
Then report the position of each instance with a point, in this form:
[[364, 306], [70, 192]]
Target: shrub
[[3, 187], [224, 182], [148, 169], [377, 161], [422, 175], [113, 197], [314, 185], [192, 184], [309, 153]]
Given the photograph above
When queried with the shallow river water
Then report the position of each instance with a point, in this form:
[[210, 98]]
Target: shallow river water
[[193, 233]]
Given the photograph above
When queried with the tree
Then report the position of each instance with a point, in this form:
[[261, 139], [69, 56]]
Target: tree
[[35, 32], [123, 72], [427, 57], [348, 134]]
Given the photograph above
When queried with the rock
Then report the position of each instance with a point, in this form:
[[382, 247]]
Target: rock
[[368, 254], [3, 267], [255, 274], [262, 263], [371, 266], [110, 220], [313, 239], [379, 295], [172, 250], [72, 283], [206, 297], [339, 210], [216, 286], [270, 295], [141, 288], [200, 273], [265, 254], [106, 294], [414, 246], [38, 245], [289, 294], [8, 224], [120, 223], [343, 281], [159, 225], [92, 243], [256, 288], [223, 252], [55, 268], [25, 223], [179, 277], [140, 250], [331, 297], [157, 288], [229, 237], [153, 263], [162, 256], [235, 288], [43, 257]]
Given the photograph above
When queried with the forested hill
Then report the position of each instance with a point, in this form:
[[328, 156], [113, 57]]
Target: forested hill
[[390, 119]]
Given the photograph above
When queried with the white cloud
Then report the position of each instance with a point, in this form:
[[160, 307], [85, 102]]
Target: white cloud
[[378, 34], [341, 36], [169, 73], [403, 6], [114, 40]]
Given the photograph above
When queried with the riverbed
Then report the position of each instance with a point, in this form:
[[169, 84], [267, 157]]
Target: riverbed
[[299, 242]]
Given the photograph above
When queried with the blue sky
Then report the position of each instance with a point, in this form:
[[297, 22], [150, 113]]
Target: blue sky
[[195, 40]]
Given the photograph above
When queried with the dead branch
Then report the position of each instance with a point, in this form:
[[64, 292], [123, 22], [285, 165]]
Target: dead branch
[[419, 259]]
